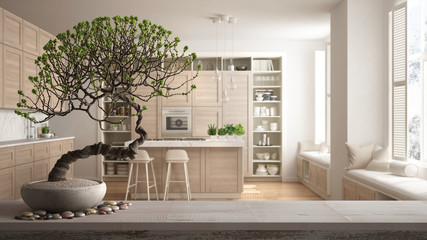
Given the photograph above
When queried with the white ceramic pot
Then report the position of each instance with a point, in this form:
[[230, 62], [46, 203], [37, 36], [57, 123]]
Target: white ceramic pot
[[213, 137], [272, 169], [221, 138], [261, 169]]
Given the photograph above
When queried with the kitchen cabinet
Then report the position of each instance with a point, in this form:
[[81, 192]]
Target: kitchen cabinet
[[24, 154], [31, 38], [12, 30], [12, 66], [55, 148], [151, 116], [43, 39], [202, 117], [41, 151], [7, 157], [348, 189], [1, 76], [29, 68], [208, 91], [179, 100], [41, 170], [67, 145], [23, 174], [7, 186], [221, 167]]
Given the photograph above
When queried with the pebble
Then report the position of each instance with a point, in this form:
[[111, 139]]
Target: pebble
[[90, 210], [101, 206], [115, 208], [130, 204], [36, 216], [27, 214], [102, 212], [123, 207], [105, 209], [110, 212], [31, 218], [40, 212], [56, 217], [111, 203], [79, 214], [48, 216], [67, 214]]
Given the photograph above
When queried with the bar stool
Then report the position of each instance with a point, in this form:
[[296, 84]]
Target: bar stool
[[142, 158], [177, 156]]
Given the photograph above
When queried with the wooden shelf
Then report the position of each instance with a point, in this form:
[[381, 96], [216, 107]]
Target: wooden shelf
[[272, 146], [266, 161], [266, 101]]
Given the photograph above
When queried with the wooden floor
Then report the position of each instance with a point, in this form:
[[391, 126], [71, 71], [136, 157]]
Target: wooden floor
[[253, 191]]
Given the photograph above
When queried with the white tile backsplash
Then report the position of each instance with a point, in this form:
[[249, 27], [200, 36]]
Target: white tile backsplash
[[12, 126]]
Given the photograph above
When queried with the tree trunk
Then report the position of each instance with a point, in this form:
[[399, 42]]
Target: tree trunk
[[59, 171]]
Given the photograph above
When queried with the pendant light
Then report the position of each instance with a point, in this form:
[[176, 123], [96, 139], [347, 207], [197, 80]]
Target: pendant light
[[217, 21], [232, 85], [225, 19]]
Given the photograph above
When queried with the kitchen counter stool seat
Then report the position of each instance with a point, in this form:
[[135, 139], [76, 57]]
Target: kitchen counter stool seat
[[177, 156], [142, 157]]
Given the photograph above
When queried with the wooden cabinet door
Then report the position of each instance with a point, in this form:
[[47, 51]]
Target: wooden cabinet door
[[364, 193], [7, 186], [31, 38], [202, 117], [1, 76], [348, 189], [322, 180], [41, 151], [313, 174], [24, 154], [41, 170], [12, 64], [150, 119], [55, 149], [23, 174], [222, 164], [29, 68], [7, 157], [208, 90], [12, 30], [179, 100], [299, 168], [67, 145], [44, 37]]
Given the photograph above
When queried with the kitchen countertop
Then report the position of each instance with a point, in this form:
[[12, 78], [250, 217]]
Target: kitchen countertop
[[30, 141], [189, 143]]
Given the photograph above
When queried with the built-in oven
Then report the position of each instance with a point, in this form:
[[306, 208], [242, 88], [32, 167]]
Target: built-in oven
[[176, 121]]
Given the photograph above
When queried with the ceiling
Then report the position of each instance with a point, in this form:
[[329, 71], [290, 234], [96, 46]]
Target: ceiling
[[191, 20]]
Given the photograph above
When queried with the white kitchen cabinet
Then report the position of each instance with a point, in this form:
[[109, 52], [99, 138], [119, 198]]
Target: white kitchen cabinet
[[12, 67], [179, 100], [12, 30], [31, 38], [208, 90], [202, 117]]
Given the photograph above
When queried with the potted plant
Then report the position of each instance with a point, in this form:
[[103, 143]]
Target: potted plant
[[79, 68], [212, 131], [222, 132], [239, 131], [230, 131]]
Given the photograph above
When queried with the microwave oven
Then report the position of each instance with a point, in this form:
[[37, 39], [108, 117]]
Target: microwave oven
[[176, 122]]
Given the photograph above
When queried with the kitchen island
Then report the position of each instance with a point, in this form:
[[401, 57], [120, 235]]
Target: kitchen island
[[215, 167]]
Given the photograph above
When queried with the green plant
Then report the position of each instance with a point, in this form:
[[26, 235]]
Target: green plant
[[113, 57], [211, 129], [222, 131], [239, 130], [229, 128], [45, 129]]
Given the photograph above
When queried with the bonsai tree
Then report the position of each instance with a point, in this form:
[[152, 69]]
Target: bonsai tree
[[108, 57], [211, 129]]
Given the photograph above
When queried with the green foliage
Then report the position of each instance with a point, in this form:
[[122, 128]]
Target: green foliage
[[229, 128], [239, 129], [211, 129], [45, 129], [222, 131]]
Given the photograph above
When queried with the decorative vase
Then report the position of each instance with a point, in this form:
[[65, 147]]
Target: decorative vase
[[69, 195], [261, 170], [221, 138], [213, 137], [274, 156]]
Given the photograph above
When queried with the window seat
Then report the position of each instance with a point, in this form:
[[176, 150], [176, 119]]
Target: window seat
[[321, 159], [362, 184]]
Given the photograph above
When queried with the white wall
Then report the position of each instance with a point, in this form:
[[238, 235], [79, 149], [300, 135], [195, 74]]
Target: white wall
[[359, 79], [12, 126]]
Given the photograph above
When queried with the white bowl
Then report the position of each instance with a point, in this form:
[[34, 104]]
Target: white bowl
[[47, 135], [260, 156], [259, 99], [266, 156]]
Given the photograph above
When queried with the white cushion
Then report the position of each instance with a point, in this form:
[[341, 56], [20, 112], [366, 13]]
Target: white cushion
[[402, 188], [359, 156], [322, 159], [404, 169], [380, 160]]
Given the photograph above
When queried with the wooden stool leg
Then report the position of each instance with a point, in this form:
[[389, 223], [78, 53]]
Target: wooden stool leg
[[136, 180], [130, 176], [154, 180], [148, 181], [187, 182], [165, 197]]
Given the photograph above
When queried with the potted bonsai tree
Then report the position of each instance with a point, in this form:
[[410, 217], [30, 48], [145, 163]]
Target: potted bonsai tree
[[212, 131], [230, 131], [221, 133], [239, 131], [107, 57]]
